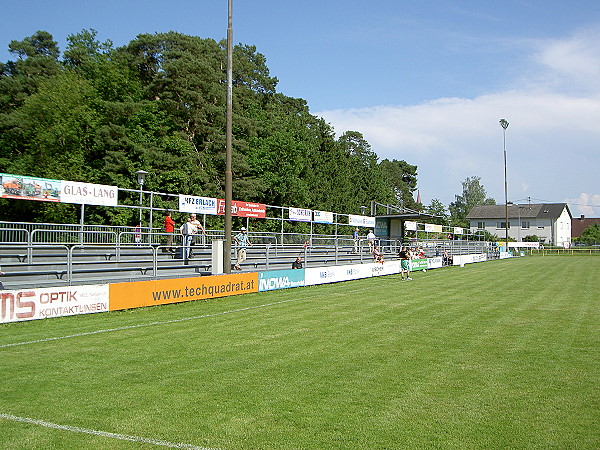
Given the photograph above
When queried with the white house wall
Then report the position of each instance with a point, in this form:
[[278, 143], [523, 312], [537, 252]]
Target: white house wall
[[563, 230], [557, 232]]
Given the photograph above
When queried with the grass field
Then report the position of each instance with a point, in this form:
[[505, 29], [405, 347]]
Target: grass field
[[503, 354]]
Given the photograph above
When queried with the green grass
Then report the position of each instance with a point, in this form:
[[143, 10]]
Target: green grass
[[504, 354]]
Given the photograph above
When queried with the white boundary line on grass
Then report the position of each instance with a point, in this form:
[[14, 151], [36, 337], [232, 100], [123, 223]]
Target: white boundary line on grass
[[106, 434], [129, 327]]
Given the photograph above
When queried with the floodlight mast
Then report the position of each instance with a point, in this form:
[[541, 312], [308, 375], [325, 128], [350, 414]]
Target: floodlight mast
[[504, 125]]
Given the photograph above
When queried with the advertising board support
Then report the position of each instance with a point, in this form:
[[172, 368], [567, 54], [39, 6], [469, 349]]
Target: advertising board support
[[81, 223]]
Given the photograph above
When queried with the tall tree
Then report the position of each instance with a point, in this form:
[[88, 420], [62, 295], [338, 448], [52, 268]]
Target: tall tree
[[158, 104], [402, 178], [436, 208], [473, 194]]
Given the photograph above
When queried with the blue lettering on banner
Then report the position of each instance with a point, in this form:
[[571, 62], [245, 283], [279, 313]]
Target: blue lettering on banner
[[280, 279], [326, 274]]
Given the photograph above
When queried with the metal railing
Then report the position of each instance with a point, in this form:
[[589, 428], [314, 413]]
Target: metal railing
[[563, 251]]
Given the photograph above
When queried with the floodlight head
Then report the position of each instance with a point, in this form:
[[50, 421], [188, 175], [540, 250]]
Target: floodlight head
[[504, 123], [141, 176]]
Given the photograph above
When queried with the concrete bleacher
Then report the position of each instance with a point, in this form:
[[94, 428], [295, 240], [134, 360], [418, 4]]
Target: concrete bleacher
[[60, 265]]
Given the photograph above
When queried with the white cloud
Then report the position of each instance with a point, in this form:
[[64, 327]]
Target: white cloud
[[552, 142], [586, 204], [573, 63]]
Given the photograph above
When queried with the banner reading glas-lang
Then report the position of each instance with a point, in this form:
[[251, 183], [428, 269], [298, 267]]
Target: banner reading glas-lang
[[88, 194]]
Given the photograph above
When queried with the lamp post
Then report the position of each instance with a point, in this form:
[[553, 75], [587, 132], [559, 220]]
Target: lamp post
[[141, 177], [504, 125]]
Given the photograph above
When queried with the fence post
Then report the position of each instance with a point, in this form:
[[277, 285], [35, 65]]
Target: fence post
[[267, 255]]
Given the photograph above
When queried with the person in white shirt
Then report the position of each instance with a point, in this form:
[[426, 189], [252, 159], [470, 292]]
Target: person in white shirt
[[371, 240]]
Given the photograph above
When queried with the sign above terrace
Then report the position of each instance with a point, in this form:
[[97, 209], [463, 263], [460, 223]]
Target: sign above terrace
[[43, 189]]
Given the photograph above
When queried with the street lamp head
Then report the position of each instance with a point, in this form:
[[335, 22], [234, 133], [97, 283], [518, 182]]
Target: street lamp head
[[141, 176], [504, 123]]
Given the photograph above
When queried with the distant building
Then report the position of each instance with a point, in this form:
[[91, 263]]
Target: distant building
[[550, 222], [581, 223]]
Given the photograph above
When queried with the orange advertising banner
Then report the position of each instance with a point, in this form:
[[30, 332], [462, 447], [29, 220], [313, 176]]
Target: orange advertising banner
[[161, 292]]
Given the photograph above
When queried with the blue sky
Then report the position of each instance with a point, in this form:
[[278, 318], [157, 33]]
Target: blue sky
[[424, 81]]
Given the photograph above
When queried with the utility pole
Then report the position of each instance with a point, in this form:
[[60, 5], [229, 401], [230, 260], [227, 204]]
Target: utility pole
[[228, 150]]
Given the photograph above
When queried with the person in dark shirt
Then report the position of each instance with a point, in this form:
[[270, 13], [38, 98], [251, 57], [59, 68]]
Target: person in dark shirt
[[404, 255], [297, 264]]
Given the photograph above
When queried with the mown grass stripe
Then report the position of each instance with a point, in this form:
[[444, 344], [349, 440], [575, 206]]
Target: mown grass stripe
[[106, 434]]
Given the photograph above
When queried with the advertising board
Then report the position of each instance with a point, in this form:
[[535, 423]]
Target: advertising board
[[31, 304], [410, 226], [243, 209], [361, 221], [435, 263], [458, 260], [197, 205], [333, 274], [300, 214], [418, 264], [29, 188], [161, 292], [280, 279], [88, 193], [323, 216], [387, 268]]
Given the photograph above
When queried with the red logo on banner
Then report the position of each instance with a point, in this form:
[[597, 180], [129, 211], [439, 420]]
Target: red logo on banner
[[243, 209]]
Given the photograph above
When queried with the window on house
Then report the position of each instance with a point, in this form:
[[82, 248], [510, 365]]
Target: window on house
[[480, 225], [525, 225], [502, 225]]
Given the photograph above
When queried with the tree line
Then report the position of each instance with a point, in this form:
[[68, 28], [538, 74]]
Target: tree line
[[97, 113]]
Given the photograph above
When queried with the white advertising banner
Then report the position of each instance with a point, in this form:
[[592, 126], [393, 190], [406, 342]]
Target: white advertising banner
[[321, 275], [524, 244], [459, 260], [361, 221], [30, 304], [197, 205], [300, 214], [387, 268], [458, 230], [356, 271], [410, 226], [435, 263], [333, 274], [323, 216], [429, 227], [88, 194]]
